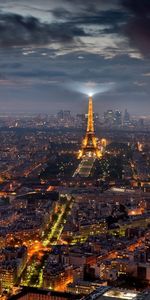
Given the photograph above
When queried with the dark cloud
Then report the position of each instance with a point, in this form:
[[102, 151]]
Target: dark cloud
[[138, 27], [138, 7], [109, 21], [16, 30], [47, 74], [95, 17], [94, 3], [61, 12]]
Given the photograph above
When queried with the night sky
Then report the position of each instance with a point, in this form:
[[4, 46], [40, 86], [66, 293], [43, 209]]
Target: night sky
[[54, 52]]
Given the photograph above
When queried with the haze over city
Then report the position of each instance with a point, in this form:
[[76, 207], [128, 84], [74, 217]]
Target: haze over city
[[48, 47]]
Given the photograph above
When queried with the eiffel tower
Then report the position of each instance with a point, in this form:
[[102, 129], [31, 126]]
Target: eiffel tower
[[89, 144]]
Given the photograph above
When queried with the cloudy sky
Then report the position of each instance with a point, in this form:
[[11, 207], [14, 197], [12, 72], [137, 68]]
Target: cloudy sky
[[54, 52]]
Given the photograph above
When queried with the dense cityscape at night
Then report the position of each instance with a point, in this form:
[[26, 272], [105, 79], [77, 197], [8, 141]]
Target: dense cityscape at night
[[75, 211], [74, 150]]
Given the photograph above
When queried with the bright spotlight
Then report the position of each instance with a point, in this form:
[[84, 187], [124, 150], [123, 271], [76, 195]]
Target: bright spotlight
[[90, 94], [90, 88]]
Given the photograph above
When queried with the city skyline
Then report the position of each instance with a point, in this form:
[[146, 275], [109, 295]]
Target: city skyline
[[52, 54]]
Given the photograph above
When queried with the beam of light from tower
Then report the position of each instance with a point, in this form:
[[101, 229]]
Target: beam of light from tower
[[89, 88]]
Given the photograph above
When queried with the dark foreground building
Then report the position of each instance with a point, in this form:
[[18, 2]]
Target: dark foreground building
[[40, 294]]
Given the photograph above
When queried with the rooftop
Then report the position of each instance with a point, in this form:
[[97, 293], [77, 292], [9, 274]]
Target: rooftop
[[108, 293], [27, 291]]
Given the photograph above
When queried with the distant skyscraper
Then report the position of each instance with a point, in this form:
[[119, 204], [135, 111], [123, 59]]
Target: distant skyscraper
[[60, 115], [67, 115], [81, 120], [126, 118], [118, 118], [64, 115], [109, 117]]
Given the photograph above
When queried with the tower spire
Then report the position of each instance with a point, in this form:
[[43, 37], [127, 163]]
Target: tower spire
[[90, 124], [89, 144]]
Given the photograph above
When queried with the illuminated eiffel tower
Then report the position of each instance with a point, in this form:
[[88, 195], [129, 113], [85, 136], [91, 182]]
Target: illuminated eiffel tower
[[89, 144]]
